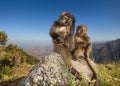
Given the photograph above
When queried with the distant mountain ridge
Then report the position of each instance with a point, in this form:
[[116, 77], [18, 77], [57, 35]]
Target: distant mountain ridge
[[102, 52], [105, 52]]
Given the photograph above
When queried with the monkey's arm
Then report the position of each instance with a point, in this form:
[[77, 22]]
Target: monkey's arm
[[55, 36], [88, 50], [66, 54], [52, 30], [72, 27]]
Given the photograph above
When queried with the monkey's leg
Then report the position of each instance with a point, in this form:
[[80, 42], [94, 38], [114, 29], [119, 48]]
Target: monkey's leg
[[71, 43], [64, 51]]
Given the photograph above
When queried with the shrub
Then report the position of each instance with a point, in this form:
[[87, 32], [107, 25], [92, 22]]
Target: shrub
[[3, 38]]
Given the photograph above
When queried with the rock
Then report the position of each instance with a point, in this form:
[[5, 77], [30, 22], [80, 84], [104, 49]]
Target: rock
[[52, 72], [84, 70]]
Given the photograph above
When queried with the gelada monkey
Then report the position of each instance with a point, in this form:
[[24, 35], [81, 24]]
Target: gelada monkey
[[62, 32], [83, 47]]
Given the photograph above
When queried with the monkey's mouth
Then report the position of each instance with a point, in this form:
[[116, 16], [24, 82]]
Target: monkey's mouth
[[79, 31], [63, 21]]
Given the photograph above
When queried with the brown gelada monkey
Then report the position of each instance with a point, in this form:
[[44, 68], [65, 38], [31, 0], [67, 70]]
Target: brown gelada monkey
[[83, 46], [62, 32]]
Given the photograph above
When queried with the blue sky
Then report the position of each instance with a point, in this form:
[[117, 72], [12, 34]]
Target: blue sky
[[29, 21]]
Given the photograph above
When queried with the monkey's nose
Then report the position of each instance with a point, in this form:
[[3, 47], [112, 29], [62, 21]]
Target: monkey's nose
[[63, 21]]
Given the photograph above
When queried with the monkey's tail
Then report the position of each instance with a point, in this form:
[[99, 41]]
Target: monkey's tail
[[90, 66], [95, 76]]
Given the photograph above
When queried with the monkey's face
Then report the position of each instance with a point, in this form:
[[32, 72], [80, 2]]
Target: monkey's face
[[65, 20], [81, 30]]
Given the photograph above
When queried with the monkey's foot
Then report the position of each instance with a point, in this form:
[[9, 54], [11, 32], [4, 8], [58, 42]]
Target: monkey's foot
[[75, 73], [93, 81], [96, 80]]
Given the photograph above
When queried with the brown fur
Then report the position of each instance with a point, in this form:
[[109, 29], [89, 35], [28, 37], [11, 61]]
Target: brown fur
[[83, 47], [70, 30], [62, 32]]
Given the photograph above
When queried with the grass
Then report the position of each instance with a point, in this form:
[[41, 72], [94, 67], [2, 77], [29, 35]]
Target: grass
[[16, 75], [110, 74], [14, 64]]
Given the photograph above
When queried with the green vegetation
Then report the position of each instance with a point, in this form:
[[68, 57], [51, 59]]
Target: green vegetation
[[14, 64], [110, 74], [3, 38]]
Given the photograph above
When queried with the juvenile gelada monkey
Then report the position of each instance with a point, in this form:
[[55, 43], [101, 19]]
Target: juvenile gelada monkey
[[83, 47]]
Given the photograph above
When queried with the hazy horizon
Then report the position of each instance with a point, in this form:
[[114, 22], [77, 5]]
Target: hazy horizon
[[42, 44]]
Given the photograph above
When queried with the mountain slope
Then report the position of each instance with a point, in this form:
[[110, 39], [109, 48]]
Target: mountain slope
[[106, 52], [14, 63]]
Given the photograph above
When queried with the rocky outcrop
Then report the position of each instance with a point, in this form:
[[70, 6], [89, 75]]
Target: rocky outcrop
[[52, 72]]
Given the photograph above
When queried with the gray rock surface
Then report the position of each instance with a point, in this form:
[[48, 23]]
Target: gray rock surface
[[52, 72]]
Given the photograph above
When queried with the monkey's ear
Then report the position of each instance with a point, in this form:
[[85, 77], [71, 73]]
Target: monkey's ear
[[86, 28]]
